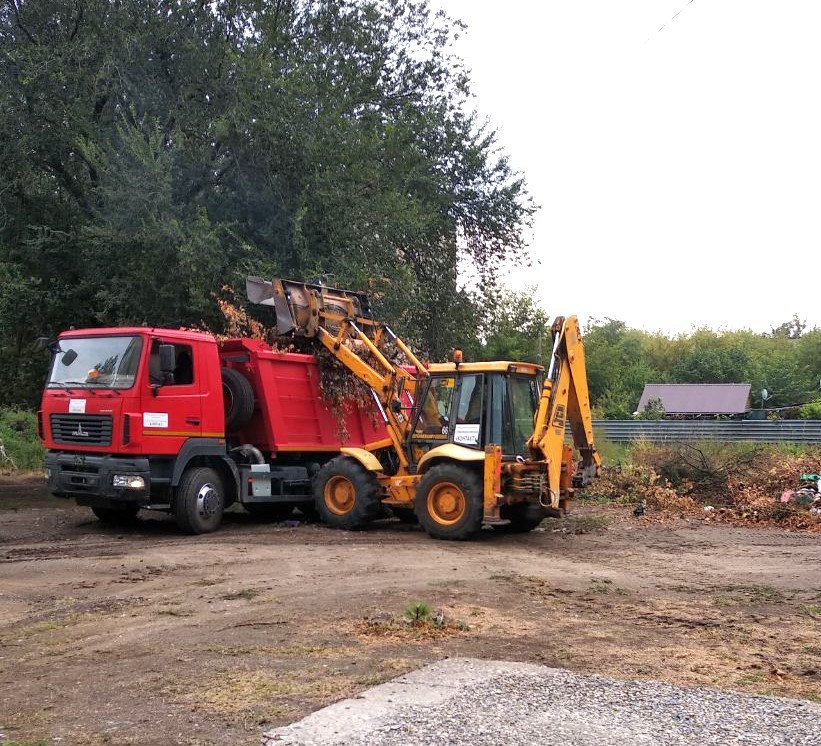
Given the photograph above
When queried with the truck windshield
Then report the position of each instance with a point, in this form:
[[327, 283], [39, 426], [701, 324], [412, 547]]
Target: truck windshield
[[99, 362]]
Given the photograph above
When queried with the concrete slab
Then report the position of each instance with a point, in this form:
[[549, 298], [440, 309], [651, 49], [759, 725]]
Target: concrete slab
[[467, 701]]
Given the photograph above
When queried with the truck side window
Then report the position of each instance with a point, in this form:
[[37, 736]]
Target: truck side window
[[183, 372]]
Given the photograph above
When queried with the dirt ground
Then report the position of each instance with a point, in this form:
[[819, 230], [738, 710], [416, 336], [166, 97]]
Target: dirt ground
[[140, 635]]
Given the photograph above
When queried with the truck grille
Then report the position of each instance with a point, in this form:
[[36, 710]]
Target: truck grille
[[81, 429]]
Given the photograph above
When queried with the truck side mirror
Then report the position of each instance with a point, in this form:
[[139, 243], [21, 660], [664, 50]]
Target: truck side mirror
[[69, 357], [168, 358]]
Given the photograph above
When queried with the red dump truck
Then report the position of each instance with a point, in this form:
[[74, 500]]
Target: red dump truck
[[164, 419]]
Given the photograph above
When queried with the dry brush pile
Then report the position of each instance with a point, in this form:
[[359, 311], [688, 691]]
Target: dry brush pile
[[737, 483]]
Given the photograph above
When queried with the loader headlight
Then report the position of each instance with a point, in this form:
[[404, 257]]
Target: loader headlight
[[130, 481]]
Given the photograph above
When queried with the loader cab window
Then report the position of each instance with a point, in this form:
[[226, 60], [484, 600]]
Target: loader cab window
[[467, 430], [433, 419], [512, 406], [524, 399], [183, 372]]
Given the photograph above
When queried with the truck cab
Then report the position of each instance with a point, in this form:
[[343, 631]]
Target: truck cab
[[119, 409]]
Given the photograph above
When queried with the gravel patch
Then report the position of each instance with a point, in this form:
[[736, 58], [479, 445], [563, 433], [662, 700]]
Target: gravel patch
[[486, 703]]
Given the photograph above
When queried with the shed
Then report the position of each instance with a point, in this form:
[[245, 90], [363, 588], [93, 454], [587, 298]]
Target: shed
[[699, 399]]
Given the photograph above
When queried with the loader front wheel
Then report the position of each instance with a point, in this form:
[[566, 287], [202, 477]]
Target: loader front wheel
[[346, 494], [449, 502]]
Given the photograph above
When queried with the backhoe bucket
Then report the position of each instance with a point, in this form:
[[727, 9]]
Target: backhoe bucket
[[304, 308]]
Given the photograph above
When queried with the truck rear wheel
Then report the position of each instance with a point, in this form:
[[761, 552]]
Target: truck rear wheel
[[125, 513], [346, 494], [199, 500], [450, 502], [238, 398]]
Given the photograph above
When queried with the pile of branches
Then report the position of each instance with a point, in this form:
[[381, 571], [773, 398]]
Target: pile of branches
[[341, 391], [736, 483]]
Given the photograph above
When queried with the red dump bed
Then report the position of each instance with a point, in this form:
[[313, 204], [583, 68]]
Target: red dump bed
[[290, 413]]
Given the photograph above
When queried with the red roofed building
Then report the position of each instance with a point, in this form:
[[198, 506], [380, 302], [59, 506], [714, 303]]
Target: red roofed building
[[692, 400]]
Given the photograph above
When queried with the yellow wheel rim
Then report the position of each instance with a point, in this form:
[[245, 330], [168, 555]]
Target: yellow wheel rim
[[446, 503], [340, 495]]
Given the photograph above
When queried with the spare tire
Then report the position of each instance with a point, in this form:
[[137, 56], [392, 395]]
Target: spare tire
[[238, 399]]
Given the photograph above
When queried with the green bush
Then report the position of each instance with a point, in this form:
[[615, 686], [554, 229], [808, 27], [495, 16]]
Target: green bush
[[18, 432], [810, 411]]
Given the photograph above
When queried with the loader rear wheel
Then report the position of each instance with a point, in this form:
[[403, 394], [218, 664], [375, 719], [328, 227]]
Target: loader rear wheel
[[238, 399], [449, 502], [199, 501], [346, 494], [523, 517]]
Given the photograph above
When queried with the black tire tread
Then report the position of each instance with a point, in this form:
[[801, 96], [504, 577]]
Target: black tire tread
[[519, 522], [242, 403], [367, 505], [185, 499], [471, 483]]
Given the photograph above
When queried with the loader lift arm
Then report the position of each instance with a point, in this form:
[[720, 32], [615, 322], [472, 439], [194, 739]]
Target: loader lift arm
[[565, 398], [342, 322]]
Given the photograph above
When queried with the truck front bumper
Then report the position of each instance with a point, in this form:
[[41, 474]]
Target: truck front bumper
[[90, 478]]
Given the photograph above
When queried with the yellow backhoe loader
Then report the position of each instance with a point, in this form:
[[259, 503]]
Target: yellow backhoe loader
[[468, 443]]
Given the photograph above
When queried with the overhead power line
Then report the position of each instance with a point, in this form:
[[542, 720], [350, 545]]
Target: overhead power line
[[675, 15]]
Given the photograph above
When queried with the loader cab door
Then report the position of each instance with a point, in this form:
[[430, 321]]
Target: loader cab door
[[512, 403], [450, 409]]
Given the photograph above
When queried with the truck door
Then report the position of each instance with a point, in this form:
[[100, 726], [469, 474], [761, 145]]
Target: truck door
[[172, 405]]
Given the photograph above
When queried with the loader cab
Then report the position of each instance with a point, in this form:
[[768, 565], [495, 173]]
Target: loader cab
[[475, 405]]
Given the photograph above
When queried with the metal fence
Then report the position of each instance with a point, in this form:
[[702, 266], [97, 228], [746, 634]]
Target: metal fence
[[659, 431]]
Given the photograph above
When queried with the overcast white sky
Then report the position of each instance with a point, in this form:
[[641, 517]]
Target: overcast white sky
[[678, 171]]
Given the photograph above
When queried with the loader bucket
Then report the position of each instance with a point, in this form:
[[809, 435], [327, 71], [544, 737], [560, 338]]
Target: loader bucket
[[304, 308]]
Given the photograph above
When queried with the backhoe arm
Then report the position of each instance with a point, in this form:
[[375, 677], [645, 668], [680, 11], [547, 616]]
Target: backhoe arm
[[565, 398]]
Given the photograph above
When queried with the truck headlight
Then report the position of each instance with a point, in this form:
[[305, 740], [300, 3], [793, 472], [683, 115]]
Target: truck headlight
[[130, 481]]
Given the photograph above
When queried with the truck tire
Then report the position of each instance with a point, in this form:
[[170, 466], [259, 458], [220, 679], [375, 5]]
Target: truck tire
[[450, 503], [238, 398], [269, 511], [125, 513], [346, 494], [199, 500]]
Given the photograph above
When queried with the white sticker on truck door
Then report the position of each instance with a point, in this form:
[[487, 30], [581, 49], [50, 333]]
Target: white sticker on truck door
[[77, 406], [467, 435], [155, 419]]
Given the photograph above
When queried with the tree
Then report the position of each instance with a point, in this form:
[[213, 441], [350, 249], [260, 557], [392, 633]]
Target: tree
[[152, 152]]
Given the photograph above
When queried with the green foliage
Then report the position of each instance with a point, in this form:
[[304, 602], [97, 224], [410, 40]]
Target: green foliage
[[18, 433], [653, 410], [418, 613], [620, 361], [513, 326], [810, 410], [151, 153]]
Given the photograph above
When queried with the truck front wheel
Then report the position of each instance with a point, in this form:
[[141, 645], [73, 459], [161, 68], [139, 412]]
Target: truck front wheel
[[449, 502], [199, 500], [346, 494]]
